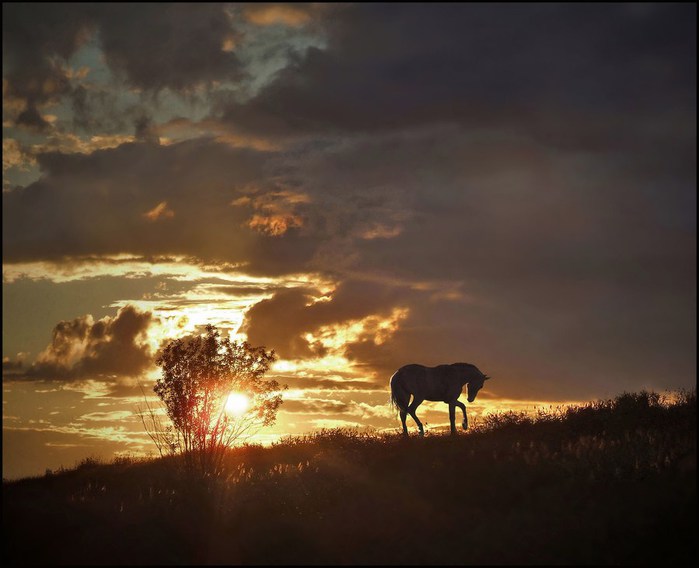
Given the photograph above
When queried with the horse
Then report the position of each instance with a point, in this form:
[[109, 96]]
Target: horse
[[443, 382]]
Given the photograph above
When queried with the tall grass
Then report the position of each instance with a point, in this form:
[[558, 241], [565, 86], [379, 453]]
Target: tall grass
[[609, 482]]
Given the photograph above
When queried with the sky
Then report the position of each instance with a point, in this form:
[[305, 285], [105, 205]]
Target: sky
[[356, 186]]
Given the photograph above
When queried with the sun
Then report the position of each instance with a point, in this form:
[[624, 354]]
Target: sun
[[237, 404]]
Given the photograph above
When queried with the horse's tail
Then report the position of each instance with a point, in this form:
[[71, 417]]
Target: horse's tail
[[399, 397]]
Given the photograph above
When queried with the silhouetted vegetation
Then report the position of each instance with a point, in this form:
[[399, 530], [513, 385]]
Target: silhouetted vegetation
[[611, 482], [198, 373]]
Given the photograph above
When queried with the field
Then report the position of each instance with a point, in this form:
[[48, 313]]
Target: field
[[611, 482]]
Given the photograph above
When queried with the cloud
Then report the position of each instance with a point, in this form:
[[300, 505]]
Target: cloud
[[275, 210], [109, 417], [160, 211], [495, 236], [239, 291], [104, 223], [330, 407], [532, 208], [13, 366], [37, 40], [477, 65], [278, 322], [107, 347], [237, 190], [270, 14], [328, 384], [23, 156], [284, 321], [176, 46], [316, 406], [13, 154], [152, 47]]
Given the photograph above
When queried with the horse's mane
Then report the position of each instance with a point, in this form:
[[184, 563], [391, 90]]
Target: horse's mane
[[464, 365], [468, 368]]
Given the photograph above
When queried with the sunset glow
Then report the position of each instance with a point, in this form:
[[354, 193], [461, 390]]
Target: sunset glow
[[356, 187], [237, 404]]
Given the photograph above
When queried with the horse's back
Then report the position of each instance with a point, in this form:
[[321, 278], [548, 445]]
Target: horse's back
[[429, 383], [408, 374], [411, 369]]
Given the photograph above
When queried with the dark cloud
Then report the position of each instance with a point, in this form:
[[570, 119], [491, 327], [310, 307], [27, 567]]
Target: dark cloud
[[100, 110], [146, 131], [62, 214], [37, 40], [509, 255], [12, 366], [107, 347], [282, 321], [529, 68], [31, 118], [178, 46], [277, 323], [522, 179]]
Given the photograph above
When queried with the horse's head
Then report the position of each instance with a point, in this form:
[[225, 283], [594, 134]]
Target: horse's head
[[476, 384]]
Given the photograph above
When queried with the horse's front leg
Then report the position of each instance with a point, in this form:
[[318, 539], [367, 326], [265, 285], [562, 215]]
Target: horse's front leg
[[411, 410], [452, 416], [462, 406]]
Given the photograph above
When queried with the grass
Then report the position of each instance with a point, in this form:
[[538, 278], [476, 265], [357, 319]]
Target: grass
[[610, 482]]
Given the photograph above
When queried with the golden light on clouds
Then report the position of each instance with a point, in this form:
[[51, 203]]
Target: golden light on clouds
[[275, 212], [12, 154], [160, 211], [180, 129], [267, 15], [274, 225], [375, 327], [381, 231], [228, 44], [176, 267], [23, 156]]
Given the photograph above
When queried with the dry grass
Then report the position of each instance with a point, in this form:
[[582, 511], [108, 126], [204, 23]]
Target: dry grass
[[609, 482]]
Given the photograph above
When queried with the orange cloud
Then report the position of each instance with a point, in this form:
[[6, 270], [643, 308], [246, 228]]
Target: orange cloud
[[277, 14], [274, 225], [275, 211], [381, 231], [160, 211]]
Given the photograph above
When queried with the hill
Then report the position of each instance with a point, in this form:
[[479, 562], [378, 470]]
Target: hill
[[611, 482]]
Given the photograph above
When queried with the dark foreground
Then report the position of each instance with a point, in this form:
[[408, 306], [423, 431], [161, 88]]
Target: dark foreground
[[610, 483]]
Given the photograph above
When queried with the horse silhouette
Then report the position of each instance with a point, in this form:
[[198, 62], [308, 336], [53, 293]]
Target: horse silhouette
[[443, 382]]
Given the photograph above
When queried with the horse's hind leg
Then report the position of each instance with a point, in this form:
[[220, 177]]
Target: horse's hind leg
[[401, 398], [403, 416], [411, 410]]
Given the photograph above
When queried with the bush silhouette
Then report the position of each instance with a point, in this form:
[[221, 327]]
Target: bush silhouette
[[198, 375]]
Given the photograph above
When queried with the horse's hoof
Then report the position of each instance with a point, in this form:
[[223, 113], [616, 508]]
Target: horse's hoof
[[422, 433], [464, 425]]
